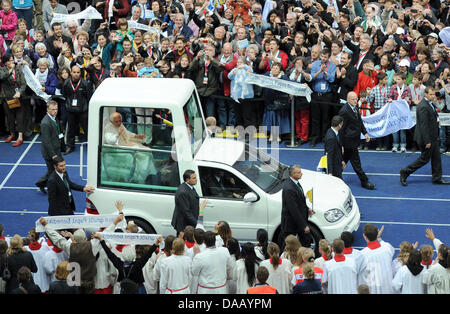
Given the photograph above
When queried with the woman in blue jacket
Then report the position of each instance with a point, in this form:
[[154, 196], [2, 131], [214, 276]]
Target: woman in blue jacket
[[276, 111], [24, 9], [242, 94], [49, 81]]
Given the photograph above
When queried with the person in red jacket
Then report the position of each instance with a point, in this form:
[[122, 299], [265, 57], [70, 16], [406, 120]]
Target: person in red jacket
[[367, 78], [274, 55], [225, 106], [240, 8], [116, 10], [8, 21], [262, 287]]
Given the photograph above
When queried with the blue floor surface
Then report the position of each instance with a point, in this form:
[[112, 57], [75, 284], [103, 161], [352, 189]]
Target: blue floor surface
[[404, 211]]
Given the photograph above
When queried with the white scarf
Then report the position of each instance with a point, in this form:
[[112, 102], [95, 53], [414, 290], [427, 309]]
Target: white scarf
[[41, 77], [110, 9]]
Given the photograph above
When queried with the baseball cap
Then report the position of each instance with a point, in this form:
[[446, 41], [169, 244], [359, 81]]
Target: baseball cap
[[404, 63], [433, 35]]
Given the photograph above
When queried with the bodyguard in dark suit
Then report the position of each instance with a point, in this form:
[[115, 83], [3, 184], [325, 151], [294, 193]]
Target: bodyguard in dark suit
[[294, 212], [60, 198], [350, 137], [333, 148], [52, 141], [186, 203], [426, 136]]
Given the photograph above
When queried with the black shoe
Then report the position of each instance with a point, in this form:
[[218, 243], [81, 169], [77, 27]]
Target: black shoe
[[403, 177], [441, 181], [69, 150], [368, 185]]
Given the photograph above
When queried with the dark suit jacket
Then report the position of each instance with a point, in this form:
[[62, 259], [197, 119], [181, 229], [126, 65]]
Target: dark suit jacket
[[348, 83], [186, 208], [333, 150], [355, 56], [51, 143], [59, 202], [350, 134], [427, 127], [294, 212]]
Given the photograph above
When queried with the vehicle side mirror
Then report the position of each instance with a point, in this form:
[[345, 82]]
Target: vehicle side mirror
[[250, 197]]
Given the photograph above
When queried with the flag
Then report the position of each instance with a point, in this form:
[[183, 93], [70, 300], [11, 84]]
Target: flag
[[322, 165], [310, 195]]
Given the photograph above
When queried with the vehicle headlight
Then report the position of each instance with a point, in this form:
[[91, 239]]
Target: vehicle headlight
[[333, 215]]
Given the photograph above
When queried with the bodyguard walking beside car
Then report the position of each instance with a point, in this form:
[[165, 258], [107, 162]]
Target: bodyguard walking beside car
[[295, 211]]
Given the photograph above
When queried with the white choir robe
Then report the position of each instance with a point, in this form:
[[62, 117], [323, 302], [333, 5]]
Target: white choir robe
[[340, 275], [360, 262], [231, 283], [150, 284], [379, 267], [40, 277], [406, 283], [52, 260], [279, 278], [156, 274], [176, 274], [437, 279], [240, 275], [396, 265], [106, 271], [212, 267]]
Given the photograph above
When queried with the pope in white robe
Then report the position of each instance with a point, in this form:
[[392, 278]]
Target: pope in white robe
[[212, 267], [340, 275], [176, 274], [115, 133]]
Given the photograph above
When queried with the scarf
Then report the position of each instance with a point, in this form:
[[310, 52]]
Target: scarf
[[189, 244], [41, 77], [414, 268], [34, 246]]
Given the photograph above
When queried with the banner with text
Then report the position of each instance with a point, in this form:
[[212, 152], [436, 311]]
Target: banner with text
[[90, 13], [129, 238], [391, 118], [288, 87], [79, 222], [34, 83]]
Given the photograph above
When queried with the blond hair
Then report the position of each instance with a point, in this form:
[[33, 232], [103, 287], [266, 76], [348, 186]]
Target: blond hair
[[426, 251], [61, 271], [405, 248], [178, 246], [308, 270], [15, 245], [325, 249], [291, 248]]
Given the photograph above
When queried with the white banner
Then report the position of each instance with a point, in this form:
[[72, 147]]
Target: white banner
[[136, 25], [391, 118], [34, 83], [443, 117], [79, 222], [129, 238], [90, 13], [288, 87]]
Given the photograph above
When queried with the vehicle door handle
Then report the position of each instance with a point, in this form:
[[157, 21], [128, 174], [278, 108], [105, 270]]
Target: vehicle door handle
[[209, 205]]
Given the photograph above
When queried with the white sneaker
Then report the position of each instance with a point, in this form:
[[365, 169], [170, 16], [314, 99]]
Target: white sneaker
[[394, 149], [403, 149]]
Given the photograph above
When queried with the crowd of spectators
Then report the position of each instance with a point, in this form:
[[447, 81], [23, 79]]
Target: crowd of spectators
[[199, 261], [383, 50]]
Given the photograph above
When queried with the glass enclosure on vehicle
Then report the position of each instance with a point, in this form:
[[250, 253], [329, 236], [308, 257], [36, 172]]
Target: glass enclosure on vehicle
[[260, 168]]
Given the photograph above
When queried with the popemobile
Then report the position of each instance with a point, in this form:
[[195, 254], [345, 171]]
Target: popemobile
[[242, 183]]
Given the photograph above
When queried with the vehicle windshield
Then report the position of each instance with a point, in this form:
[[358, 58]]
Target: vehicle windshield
[[194, 124], [261, 168]]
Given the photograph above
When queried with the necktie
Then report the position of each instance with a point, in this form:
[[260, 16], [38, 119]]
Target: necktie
[[57, 125], [300, 187], [66, 183]]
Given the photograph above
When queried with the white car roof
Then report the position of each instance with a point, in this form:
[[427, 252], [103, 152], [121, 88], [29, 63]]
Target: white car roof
[[143, 91], [226, 151]]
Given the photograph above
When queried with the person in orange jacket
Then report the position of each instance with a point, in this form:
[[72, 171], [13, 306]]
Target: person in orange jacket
[[262, 287], [240, 8]]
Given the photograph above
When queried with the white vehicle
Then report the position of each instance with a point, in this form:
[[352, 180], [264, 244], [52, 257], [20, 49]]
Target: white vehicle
[[145, 179]]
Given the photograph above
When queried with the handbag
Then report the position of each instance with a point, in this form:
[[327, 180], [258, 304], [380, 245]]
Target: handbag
[[6, 275], [13, 103]]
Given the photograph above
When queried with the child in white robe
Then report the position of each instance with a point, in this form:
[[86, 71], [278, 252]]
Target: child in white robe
[[176, 270]]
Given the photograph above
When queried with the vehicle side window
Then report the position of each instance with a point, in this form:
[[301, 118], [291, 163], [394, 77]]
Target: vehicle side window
[[221, 184], [136, 151]]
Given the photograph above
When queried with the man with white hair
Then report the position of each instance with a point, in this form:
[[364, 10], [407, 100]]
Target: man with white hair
[[180, 27], [117, 134], [361, 52], [49, 9]]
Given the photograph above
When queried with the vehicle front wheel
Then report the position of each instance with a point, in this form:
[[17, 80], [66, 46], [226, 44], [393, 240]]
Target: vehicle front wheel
[[142, 224], [316, 237]]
